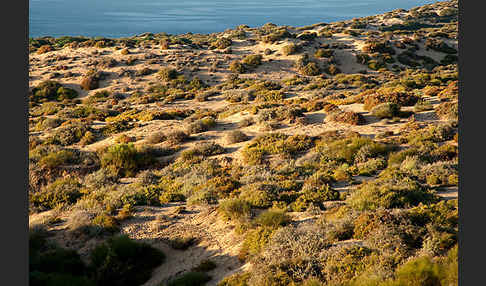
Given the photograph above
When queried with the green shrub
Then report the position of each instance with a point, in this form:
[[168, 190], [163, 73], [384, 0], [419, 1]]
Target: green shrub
[[332, 69], [376, 65], [68, 134], [310, 69], [259, 195], [124, 159], [386, 110], [51, 90], [422, 105], [64, 93], [234, 96], [419, 271], [106, 222], [156, 137], [343, 263], [122, 261], [168, 197], [443, 215], [56, 159], [239, 279], [362, 59], [422, 270], [385, 194], [86, 112], [289, 49], [255, 240], [314, 194], [63, 191], [221, 43], [302, 61], [439, 45], [253, 61], [201, 125], [275, 143], [307, 36], [449, 59], [234, 209], [196, 84], [323, 53], [177, 137], [371, 166], [204, 150], [382, 47], [276, 34], [191, 279], [87, 139], [44, 49], [349, 150], [167, 74], [46, 89], [99, 96], [272, 218], [433, 133], [349, 117], [58, 260], [270, 95], [46, 108], [237, 67], [400, 98], [143, 71], [116, 127], [55, 266], [235, 136]]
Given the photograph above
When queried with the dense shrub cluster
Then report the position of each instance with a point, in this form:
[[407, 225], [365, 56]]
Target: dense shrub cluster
[[348, 117], [400, 98], [381, 47], [120, 261], [275, 143], [51, 90], [221, 43], [125, 159]]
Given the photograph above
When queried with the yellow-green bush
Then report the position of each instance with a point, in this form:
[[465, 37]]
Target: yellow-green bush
[[237, 67], [390, 194], [255, 241], [51, 90], [272, 218], [124, 261], [124, 159], [234, 209], [62, 192], [253, 61], [290, 49], [275, 143]]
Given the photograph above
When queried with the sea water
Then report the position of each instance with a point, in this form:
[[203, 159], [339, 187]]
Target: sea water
[[121, 18]]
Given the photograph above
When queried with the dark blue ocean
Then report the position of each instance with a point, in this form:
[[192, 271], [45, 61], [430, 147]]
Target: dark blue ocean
[[120, 18]]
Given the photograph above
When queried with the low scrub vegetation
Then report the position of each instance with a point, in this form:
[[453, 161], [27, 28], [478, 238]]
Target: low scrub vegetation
[[324, 165]]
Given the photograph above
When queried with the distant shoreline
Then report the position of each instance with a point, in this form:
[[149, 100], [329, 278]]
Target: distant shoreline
[[189, 25]]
